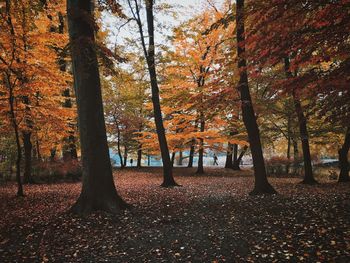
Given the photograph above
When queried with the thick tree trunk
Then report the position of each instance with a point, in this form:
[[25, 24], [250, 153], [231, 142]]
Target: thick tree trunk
[[98, 189], [190, 158], [200, 168], [262, 185], [343, 159], [238, 160], [168, 179], [229, 163], [27, 145], [308, 177]]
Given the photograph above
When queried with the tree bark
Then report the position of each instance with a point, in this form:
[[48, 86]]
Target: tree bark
[[168, 179], [38, 149], [262, 185], [180, 158], [343, 159], [98, 189], [304, 136], [7, 80], [235, 153], [15, 128], [238, 160], [125, 155], [27, 145], [295, 155], [173, 158], [139, 156], [118, 148], [53, 154], [200, 168], [289, 142], [229, 163], [190, 158]]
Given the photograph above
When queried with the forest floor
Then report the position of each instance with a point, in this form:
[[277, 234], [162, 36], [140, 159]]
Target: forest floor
[[210, 218]]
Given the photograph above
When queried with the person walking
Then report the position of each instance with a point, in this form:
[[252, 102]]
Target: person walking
[[215, 160]]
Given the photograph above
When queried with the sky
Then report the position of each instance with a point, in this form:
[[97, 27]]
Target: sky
[[185, 9]]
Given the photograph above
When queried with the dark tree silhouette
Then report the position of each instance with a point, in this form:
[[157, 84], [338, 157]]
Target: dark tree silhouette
[[262, 186], [168, 179], [304, 135], [98, 189], [343, 159]]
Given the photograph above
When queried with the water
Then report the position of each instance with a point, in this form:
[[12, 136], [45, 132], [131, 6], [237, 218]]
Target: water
[[208, 160]]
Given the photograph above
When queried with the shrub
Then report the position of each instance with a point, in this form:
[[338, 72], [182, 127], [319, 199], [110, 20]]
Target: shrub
[[278, 165], [53, 171]]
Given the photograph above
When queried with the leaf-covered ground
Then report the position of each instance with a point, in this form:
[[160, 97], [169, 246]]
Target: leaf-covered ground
[[210, 219]]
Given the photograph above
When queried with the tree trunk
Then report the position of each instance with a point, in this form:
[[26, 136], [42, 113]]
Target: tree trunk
[[308, 177], [53, 154], [228, 163], [343, 159], [18, 165], [173, 158], [168, 179], [200, 168], [139, 156], [295, 155], [38, 149], [262, 185], [235, 153], [125, 156], [98, 189], [118, 148], [190, 158], [238, 160], [27, 145], [12, 110], [15, 128], [289, 142], [180, 158]]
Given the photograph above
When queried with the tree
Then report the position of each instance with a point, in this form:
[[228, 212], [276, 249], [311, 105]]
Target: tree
[[304, 135], [314, 39], [192, 85], [343, 158], [168, 179], [98, 189], [32, 81], [262, 186], [124, 99]]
